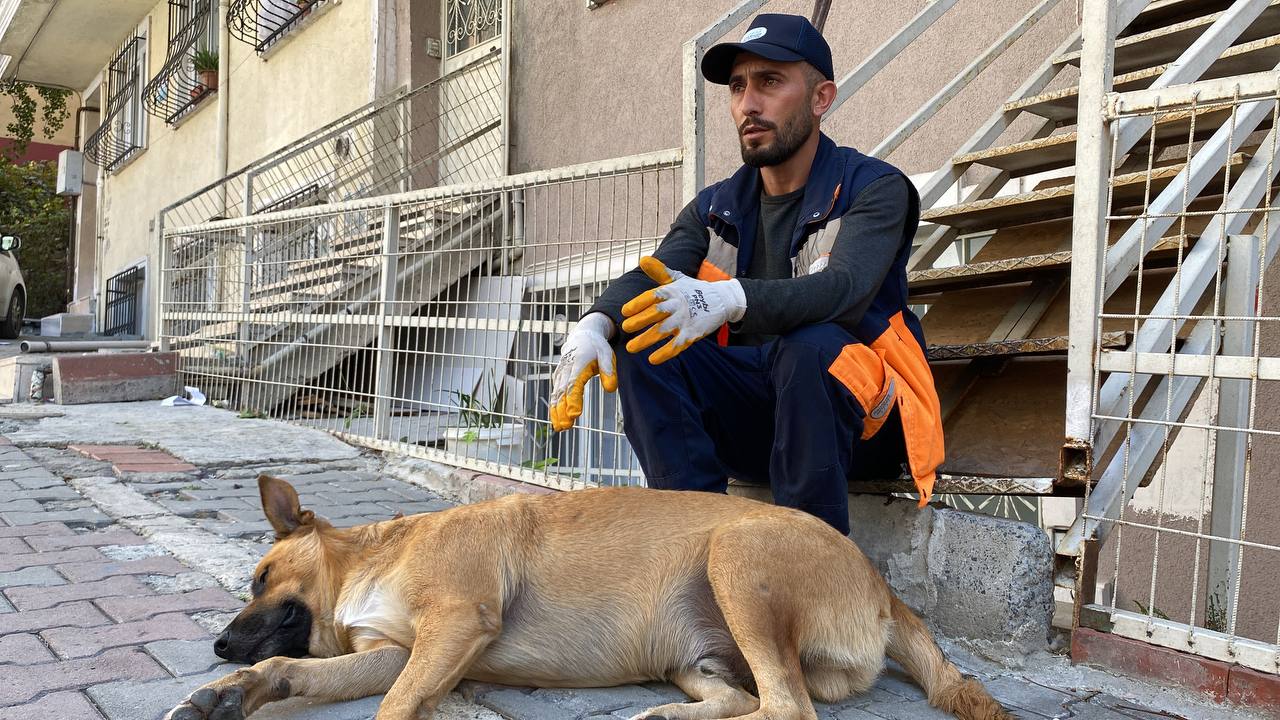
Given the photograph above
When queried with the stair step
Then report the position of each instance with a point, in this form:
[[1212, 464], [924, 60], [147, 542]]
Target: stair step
[[1053, 203], [1165, 44], [1169, 12], [1061, 105], [1059, 151], [1014, 348], [948, 483], [1016, 269], [326, 270]]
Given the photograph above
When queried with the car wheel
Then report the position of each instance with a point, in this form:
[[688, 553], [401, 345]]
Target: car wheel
[[13, 320]]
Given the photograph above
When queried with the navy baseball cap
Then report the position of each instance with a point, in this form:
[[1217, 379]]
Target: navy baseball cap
[[785, 38]]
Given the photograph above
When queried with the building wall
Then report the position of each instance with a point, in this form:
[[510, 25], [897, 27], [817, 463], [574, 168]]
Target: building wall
[[64, 138], [621, 65], [323, 71]]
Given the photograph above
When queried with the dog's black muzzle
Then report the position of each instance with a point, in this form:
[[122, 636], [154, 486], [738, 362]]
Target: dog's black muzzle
[[259, 633]]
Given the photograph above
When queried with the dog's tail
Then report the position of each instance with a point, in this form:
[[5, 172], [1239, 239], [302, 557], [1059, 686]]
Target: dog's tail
[[913, 648]]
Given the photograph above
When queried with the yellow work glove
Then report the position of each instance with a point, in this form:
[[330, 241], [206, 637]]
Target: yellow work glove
[[683, 308], [585, 354]]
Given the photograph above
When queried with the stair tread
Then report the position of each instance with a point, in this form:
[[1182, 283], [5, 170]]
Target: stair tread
[[1010, 348], [1007, 270], [948, 483], [1061, 105], [1168, 12], [1049, 203], [1059, 151], [1165, 44]]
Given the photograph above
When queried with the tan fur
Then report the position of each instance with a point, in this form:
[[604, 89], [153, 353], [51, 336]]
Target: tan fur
[[721, 595]]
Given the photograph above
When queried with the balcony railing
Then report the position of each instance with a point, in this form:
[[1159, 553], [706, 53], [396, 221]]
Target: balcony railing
[[177, 89], [262, 23], [118, 137]]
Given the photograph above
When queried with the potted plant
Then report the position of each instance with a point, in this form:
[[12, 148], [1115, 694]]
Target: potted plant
[[304, 6], [485, 434], [206, 66]]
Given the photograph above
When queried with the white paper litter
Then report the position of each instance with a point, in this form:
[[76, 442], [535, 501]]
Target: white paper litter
[[193, 396]]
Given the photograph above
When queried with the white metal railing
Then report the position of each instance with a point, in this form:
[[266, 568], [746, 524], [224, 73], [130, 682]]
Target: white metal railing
[[425, 322], [1171, 432]]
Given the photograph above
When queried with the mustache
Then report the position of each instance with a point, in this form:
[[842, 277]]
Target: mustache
[[756, 124]]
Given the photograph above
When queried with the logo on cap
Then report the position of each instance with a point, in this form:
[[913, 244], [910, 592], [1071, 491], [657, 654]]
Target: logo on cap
[[754, 34]]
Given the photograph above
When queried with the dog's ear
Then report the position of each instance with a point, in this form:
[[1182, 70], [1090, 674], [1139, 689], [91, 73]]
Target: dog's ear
[[280, 504]]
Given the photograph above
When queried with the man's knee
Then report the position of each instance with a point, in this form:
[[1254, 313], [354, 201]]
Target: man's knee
[[810, 349]]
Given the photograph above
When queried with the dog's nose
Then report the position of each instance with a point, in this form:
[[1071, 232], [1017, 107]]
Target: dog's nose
[[221, 646]]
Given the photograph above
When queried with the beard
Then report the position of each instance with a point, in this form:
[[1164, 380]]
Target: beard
[[788, 138]]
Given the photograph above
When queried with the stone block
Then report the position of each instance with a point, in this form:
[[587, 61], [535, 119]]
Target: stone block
[[111, 378], [66, 325]]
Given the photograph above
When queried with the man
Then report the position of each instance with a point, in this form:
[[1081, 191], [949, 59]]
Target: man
[[790, 354]]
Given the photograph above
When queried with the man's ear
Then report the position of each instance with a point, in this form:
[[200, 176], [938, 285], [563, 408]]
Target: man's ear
[[280, 504], [824, 95]]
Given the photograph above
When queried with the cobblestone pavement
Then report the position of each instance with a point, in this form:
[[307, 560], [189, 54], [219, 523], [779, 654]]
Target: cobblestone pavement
[[127, 534]]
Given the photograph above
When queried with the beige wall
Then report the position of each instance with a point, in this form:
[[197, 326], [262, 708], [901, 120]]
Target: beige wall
[[322, 72], [619, 68]]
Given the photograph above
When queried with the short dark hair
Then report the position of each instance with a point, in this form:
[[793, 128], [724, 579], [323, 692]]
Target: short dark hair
[[812, 77]]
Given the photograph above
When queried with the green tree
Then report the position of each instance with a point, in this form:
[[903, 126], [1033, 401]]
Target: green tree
[[30, 209], [23, 128]]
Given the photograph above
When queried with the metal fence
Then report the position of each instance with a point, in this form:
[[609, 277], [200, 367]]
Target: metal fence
[[425, 322], [392, 145], [1177, 545], [123, 301]]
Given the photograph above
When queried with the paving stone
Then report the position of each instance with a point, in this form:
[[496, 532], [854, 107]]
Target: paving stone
[[84, 572], [22, 683], [413, 508], [237, 529], [35, 478], [21, 505], [9, 563], [57, 492], [59, 706], [520, 705], [36, 529], [133, 552], [98, 538], [918, 710], [899, 683], [24, 649], [848, 713], [76, 614], [36, 598], [14, 545], [5, 607], [168, 584], [125, 609], [84, 517], [42, 576], [217, 494], [206, 508], [82, 642], [339, 497], [215, 621], [185, 657], [595, 701], [1015, 692]]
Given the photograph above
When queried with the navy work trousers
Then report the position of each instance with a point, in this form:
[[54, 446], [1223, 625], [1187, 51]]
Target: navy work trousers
[[767, 414]]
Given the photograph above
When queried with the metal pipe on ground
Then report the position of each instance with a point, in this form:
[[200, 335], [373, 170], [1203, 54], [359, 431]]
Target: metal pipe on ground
[[43, 346]]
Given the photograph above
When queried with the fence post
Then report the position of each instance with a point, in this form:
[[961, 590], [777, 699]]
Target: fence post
[[1089, 222], [162, 283], [1240, 299], [384, 369]]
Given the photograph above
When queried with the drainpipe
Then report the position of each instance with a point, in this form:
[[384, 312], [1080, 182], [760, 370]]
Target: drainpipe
[[224, 102]]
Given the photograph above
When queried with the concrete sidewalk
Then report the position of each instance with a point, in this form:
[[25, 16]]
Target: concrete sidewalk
[[128, 532]]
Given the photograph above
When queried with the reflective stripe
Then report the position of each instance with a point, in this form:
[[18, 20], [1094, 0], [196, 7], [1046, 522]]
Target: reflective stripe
[[816, 251]]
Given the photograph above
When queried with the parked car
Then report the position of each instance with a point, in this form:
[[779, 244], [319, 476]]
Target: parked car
[[12, 288]]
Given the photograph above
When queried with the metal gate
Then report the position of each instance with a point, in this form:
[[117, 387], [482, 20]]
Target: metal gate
[[1178, 432]]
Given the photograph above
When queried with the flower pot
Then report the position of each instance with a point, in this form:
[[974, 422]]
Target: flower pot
[[304, 6], [500, 444], [208, 78], [196, 92]]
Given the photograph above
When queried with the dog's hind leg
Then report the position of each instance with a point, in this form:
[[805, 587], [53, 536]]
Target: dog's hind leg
[[448, 640], [243, 692], [761, 619], [714, 696]]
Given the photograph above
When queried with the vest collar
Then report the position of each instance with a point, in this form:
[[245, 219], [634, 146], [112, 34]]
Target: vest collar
[[738, 197]]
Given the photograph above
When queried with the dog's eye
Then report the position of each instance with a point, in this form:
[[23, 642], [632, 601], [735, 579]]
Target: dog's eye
[[262, 579]]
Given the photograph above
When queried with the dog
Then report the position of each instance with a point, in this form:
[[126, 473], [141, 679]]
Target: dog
[[752, 610]]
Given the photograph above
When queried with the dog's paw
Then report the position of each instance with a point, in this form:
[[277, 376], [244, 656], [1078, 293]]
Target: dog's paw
[[210, 703]]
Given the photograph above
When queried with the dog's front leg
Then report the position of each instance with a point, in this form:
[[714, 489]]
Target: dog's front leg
[[345, 677], [447, 641]]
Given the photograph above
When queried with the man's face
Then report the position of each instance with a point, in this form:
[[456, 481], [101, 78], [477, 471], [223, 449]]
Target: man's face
[[772, 108]]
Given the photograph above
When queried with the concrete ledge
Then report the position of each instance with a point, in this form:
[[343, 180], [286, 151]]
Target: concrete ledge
[[980, 578], [114, 377], [970, 576]]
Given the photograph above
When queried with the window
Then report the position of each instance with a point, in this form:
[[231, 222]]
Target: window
[[178, 87], [122, 133]]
